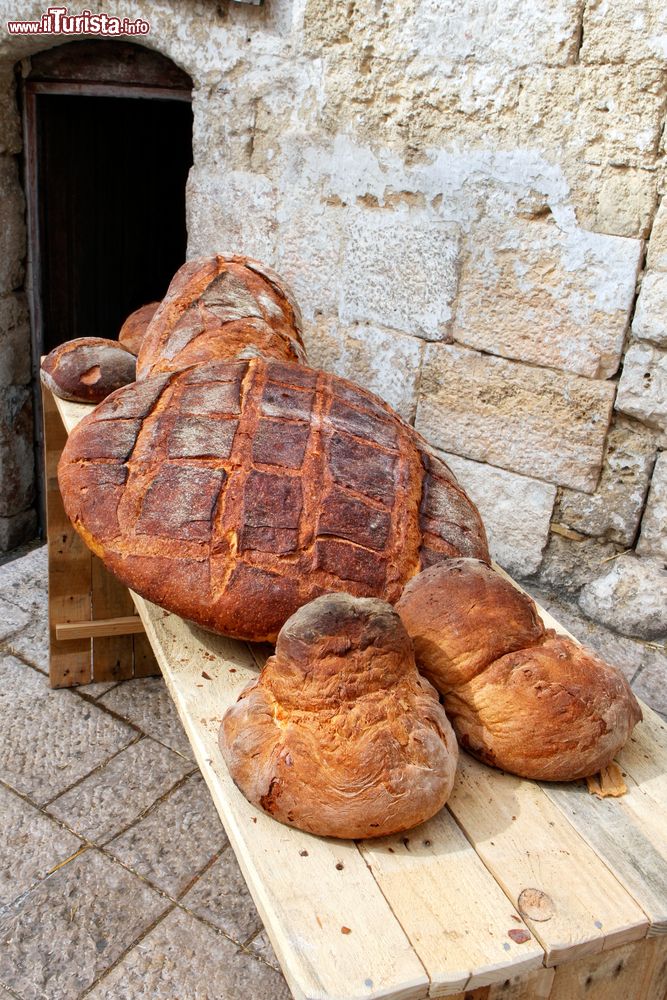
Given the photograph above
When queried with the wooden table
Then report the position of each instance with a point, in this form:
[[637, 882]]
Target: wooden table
[[440, 911]]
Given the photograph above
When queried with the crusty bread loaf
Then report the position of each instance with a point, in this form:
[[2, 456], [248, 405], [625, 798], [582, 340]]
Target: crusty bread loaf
[[519, 696], [222, 307], [134, 328], [234, 492], [340, 736], [86, 370]]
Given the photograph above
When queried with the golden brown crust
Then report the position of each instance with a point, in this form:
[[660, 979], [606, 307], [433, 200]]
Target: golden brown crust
[[519, 697], [265, 482], [461, 617], [88, 369], [222, 307], [340, 736], [133, 330]]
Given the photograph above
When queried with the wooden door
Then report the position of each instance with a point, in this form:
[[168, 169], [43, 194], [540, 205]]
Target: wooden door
[[108, 147]]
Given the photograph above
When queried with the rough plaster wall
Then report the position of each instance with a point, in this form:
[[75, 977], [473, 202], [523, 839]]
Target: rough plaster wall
[[463, 195]]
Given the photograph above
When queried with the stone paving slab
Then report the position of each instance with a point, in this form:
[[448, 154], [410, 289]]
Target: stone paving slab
[[146, 703], [12, 618], [24, 578], [221, 896], [111, 798], [56, 940], [31, 643], [24, 583], [31, 845], [184, 959], [261, 946], [176, 839], [49, 739], [96, 690]]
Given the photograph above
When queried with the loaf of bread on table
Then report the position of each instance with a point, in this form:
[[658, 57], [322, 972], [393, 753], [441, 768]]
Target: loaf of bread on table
[[134, 328], [340, 736], [234, 492], [88, 369], [222, 307], [519, 696]]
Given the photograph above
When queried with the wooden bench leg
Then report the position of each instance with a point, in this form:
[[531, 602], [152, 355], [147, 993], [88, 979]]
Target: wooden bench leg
[[70, 662], [82, 590]]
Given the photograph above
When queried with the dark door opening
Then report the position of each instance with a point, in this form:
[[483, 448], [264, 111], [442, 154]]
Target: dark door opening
[[111, 191], [108, 147]]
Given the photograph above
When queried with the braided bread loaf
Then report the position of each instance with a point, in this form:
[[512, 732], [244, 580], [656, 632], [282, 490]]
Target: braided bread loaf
[[340, 736], [232, 493], [218, 307], [519, 696]]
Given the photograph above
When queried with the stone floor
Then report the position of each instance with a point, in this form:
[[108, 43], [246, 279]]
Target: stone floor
[[116, 877]]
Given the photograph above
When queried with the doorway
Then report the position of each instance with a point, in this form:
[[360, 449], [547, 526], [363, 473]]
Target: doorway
[[108, 148]]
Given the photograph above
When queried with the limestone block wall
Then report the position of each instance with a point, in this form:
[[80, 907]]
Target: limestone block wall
[[467, 198]]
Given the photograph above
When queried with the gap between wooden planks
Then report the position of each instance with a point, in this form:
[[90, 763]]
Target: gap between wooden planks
[[433, 914]]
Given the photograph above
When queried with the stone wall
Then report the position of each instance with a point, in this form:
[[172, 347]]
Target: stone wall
[[18, 519], [467, 199]]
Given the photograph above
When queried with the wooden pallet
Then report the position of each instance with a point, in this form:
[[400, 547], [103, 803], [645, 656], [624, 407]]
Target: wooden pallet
[[436, 912]]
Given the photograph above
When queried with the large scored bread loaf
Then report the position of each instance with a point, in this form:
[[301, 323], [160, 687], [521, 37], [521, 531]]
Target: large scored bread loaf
[[88, 369], [133, 330], [519, 696], [233, 493], [221, 307], [340, 736]]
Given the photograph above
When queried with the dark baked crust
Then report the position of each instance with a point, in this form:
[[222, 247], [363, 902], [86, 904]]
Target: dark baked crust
[[134, 328], [234, 492], [222, 307], [340, 736], [519, 697], [88, 369]]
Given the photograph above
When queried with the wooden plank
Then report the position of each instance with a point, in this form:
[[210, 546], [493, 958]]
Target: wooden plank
[[88, 89], [333, 931], [527, 843], [629, 835], [655, 981], [460, 932], [644, 756], [533, 986], [633, 972], [129, 625], [69, 565], [113, 652]]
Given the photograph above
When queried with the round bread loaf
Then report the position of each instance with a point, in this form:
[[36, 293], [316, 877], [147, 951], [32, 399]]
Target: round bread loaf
[[86, 370], [519, 697], [232, 493], [340, 736], [222, 307], [134, 328]]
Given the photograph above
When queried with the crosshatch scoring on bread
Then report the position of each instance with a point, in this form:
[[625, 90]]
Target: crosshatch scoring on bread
[[233, 492]]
